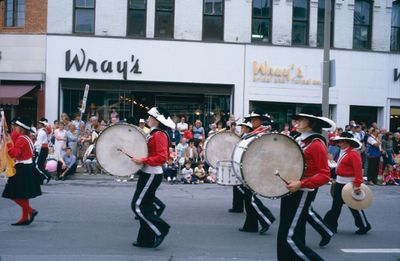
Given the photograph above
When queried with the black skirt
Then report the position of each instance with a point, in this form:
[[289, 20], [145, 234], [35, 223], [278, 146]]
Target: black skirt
[[24, 184]]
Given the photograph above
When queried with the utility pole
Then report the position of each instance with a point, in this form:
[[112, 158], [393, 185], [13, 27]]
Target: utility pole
[[326, 64]]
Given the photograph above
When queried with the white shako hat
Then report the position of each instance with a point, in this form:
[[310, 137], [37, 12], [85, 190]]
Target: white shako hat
[[162, 116], [246, 124]]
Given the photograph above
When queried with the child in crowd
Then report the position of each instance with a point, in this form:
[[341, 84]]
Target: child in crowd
[[199, 175], [170, 170], [390, 176], [212, 175], [187, 173]]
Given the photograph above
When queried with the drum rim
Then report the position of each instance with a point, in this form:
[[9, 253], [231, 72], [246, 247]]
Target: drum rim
[[220, 184], [241, 168], [108, 127], [207, 141]]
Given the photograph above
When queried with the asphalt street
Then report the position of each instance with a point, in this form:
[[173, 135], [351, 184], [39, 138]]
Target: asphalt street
[[89, 218]]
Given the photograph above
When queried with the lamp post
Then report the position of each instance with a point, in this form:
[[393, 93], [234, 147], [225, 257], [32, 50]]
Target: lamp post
[[326, 65]]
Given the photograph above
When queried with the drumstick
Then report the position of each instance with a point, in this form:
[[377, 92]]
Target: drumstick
[[277, 174], [118, 149]]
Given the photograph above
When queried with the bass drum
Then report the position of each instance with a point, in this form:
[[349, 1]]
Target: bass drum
[[114, 143], [257, 159], [219, 147]]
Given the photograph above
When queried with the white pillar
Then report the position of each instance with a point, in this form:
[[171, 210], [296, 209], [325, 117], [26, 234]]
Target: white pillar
[[282, 22], [313, 23], [150, 18]]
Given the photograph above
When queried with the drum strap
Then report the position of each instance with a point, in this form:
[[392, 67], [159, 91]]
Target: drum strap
[[148, 136]]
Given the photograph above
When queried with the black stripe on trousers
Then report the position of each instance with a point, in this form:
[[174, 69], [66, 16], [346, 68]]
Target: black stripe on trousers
[[332, 216], [142, 205], [292, 232]]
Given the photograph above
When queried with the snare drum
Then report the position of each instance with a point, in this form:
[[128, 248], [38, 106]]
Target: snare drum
[[258, 158], [225, 174], [113, 145], [219, 147]]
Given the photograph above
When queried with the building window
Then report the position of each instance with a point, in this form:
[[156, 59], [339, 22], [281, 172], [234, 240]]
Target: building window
[[262, 21], [395, 35], [14, 15], [321, 22], [301, 14], [84, 16], [213, 20], [362, 24], [164, 27], [137, 17]]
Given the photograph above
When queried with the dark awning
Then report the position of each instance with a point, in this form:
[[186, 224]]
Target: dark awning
[[10, 94]]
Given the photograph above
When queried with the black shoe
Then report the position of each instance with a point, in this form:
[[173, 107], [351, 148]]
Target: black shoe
[[22, 223], [363, 230], [324, 241], [232, 210], [136, 244], [159, 240], [136, 218], [48, 179], [263, 230], [34, 214], [245, 230]]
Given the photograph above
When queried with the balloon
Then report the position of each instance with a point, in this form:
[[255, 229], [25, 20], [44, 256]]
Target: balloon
[[51, 165]]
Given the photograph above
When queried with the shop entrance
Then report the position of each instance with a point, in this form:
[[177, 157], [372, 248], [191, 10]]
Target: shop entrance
[[394, 119]]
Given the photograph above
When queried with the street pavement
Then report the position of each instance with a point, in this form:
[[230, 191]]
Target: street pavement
[[89, 218]]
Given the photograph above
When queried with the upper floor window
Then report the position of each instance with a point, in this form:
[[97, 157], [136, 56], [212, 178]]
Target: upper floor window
[[301, 14], [262, 21], [14, 15], [137, 17], [213, 20], [164, 26], [321, 22], [84, 16], [362, 24], [395, 34]]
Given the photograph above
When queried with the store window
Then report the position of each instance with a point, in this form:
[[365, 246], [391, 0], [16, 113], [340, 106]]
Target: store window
[[261, 21], [137, 17], [362, 24], [321, 22], [363, 114], [84, 16], [301, 15], [14, 13], [213, 20], [164, 26], [395, 119], [395, 32]]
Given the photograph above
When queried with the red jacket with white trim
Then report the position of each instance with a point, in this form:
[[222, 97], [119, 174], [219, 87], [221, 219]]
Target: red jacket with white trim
[[157, 145], [350, 165], [317, 170], [21, 150]]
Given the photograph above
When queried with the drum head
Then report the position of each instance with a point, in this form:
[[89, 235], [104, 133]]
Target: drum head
[[266, 155], [125, 137], [219, 147]]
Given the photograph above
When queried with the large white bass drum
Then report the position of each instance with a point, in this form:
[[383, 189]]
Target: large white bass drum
[[115, 146], [266, 161], [219, 147]]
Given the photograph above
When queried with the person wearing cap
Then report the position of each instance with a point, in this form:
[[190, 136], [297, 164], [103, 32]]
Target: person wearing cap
[[24, 185], [296, 208], [153, 229], [349, 169], [238, 192], [256, 211], [42, 147], [142, 125]]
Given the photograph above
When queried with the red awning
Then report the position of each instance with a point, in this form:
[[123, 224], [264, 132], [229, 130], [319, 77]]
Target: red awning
[[10, 94]]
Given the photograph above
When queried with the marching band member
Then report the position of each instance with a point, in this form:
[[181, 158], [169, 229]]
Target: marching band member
[[296, 208], [349, 169], [238, 200], [42, 148], [153, 229], [255, 209], [24, 184]]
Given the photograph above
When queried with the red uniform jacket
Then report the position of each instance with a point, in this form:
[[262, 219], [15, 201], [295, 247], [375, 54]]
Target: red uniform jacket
[[350, 165], [21, 150], [157, 145], [317, 170]]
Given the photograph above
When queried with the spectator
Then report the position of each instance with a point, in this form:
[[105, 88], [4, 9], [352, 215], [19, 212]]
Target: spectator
[[142, 126], [374, 153], [188, 134], [65, 118], [220, 126], [199, 174], [390, 176], [200, 151], [174, 136], [187, 173], [60, 143], [66, 166], [180, 151], [213, 130], [114, 116], [77, 122], [84, 139], [286, 130], [233, 128], [90, 160], [232, 120], [93, 112], [396, 143], [198, 131], [172, 153], [72, 138], [387, 150], [170, 170], [191, 153], [182, 126], [212, 175]]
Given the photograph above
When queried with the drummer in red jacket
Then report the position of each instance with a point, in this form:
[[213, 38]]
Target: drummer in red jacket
[[296, 208], [153, 229], [23, 185], [349, 169]]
